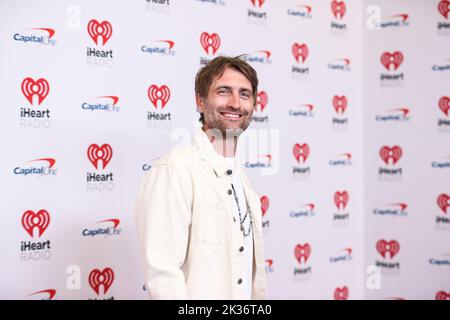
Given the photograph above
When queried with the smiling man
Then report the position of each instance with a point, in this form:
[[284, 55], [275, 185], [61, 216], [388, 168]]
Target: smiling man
[[199, 221]]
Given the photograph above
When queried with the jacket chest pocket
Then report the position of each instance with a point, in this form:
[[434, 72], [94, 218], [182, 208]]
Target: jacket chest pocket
[[208, 223]]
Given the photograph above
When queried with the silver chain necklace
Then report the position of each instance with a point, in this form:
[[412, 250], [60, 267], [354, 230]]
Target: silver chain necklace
[[247, 214]]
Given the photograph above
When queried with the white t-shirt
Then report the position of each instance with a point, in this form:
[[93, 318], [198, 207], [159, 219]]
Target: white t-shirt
[[248, 240]]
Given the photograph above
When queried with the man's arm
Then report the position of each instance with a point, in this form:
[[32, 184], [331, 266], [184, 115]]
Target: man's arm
[[163, 213]]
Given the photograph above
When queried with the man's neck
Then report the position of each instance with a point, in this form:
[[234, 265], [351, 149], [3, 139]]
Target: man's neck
[[224, 144]]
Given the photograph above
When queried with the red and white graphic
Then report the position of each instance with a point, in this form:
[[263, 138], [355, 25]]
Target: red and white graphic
[[170, 43], [210, 41], [51, 161], [444, 8], [50, 293], [340, 104], [261, 101], [302, 251], [96, 153], [114, 99], [257, 3], [444, 105], [115, 222], [300, 51], [301, 152], [308, 8], [394, 154], [99, 29], [443, 202], [338, 8], [98, 278], [392, 59], [383, 247], [264, 204], [341, 199], [39, 87], [156, 94], [442, 295], [341, 293], [39, 220], [269, 263], [51, 32]]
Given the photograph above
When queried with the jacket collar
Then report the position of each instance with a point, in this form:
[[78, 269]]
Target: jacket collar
[[207, 152]]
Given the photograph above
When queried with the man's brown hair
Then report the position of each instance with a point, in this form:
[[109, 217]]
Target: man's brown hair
[[216, 67]]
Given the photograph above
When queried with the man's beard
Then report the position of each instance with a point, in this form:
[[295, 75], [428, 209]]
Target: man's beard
[[213, 121]]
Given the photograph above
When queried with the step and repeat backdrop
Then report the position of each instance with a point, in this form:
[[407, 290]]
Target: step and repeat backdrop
[[349, 147]]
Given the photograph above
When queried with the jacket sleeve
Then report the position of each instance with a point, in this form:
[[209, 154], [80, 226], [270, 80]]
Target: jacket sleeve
[[163, 216]]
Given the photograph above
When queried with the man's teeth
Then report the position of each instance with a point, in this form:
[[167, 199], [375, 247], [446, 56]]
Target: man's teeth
[[231, 115]]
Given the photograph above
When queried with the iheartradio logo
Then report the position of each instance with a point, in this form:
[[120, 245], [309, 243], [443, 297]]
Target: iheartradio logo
[[443, 202], [96, 153], [300, 51], [442, 295], [338, 9], [261, 100], [392, 247], [394, 154], [444, 8], [99, 278], [99, 29], [257, 3], [444, 105], [208, 41], [301, 152], [302, 251], [340, 104], [39, 87], [392, 59], [341, 199], [156, 94], [341, 293], [39, 220], [264, 204]]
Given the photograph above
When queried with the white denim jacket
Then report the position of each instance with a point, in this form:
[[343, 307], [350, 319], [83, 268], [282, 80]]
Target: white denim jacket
[[189, 241]]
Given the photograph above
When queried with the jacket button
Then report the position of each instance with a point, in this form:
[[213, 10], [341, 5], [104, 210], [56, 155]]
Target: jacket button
[[241, 249], [229, 191], [239, 281], [229, 172]]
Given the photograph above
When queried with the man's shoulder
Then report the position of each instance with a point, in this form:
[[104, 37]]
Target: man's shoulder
[[179, 156]]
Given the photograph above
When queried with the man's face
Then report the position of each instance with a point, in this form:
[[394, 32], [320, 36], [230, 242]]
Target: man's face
[[229, 104]]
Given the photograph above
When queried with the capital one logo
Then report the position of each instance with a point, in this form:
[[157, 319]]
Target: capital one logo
[[99, 278], [156, 94], [301, 152], [261, 100], [32, 220], [40, 88], [384, 247], [444, 8], [338, 9], [341, 199], [208, 41], [443, 202], [341, 293], [96, 153], [257, 3], [444, 105], [392, 59], [340, 104], [300, 51], [99, 29], [302, 251], [392, 154], [264, 204]]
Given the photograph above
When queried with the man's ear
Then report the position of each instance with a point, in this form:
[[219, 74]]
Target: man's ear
[[200, 103]]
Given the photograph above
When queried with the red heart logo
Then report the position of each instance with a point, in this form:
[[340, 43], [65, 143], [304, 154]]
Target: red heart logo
[[98, 278], [31, 220], [102, 30], [264, 204], [302, 251], [383, 247], [39, 87]]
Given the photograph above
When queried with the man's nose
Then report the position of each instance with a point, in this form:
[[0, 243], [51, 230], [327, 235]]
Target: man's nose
[[234, 100]]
